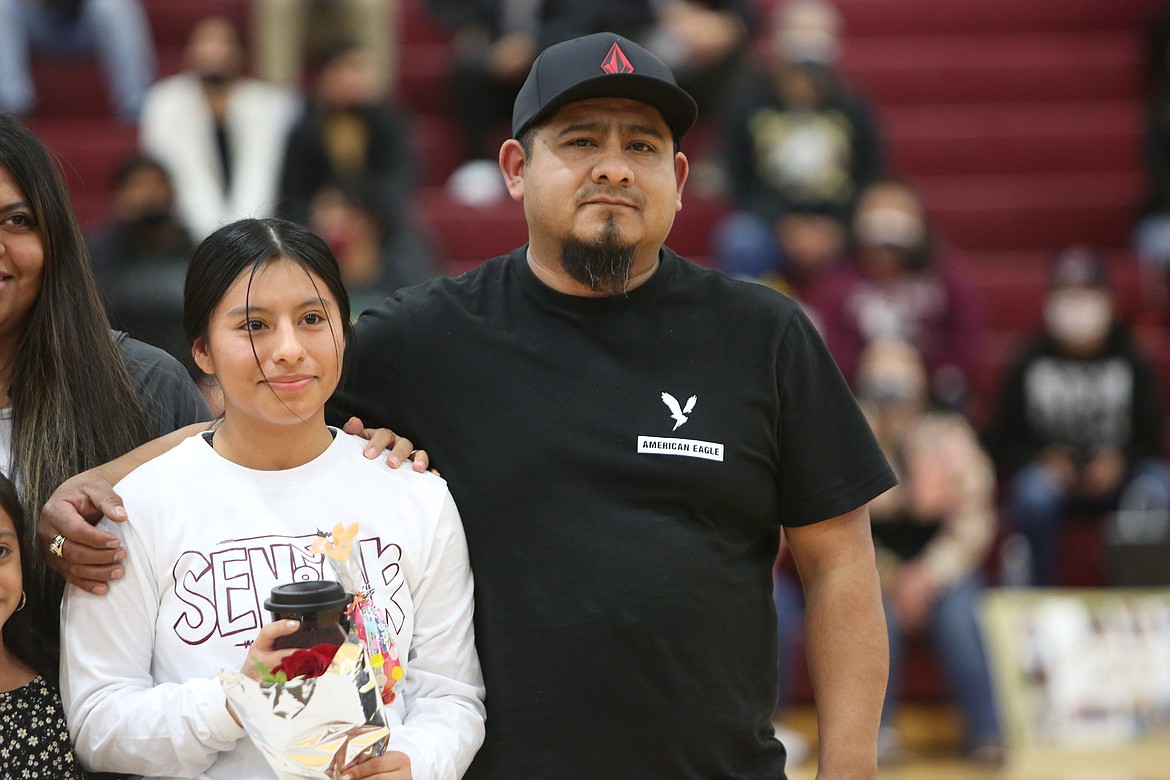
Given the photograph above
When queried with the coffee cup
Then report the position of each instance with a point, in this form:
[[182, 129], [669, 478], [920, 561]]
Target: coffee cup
[[320, 607]]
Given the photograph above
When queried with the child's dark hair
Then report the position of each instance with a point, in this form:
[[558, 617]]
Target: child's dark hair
[[249, 245], [21, 635], [132, 164]]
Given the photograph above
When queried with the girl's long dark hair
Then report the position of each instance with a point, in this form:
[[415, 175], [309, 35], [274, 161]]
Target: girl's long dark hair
[[73, 401], [246, 246]]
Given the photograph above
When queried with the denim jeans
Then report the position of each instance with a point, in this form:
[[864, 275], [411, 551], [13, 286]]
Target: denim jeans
[[953, 629], [1039, 507], [117, 30]]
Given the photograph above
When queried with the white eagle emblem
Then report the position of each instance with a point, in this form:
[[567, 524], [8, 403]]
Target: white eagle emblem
[[679, 414]]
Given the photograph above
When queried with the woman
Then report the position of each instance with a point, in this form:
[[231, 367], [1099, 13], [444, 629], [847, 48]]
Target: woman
[[932, 533], [33, 738], [73, 393], [903, 285], [217, 521]]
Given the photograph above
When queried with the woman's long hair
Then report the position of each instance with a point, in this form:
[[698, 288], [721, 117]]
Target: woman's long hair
[[73, 401]]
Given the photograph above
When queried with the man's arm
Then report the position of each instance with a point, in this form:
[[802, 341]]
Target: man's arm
[[845, 636], [90, 557]]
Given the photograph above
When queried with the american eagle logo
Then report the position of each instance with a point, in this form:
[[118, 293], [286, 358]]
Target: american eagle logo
[[679, 413]]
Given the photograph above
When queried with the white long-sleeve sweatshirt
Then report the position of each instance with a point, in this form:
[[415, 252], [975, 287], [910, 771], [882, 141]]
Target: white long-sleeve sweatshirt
[[206, 541]]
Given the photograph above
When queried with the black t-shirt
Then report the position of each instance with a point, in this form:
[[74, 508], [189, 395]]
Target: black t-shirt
[[621, 540]]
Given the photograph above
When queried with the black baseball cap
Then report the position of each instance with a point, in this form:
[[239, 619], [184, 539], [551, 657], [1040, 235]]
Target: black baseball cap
[[602, 65]]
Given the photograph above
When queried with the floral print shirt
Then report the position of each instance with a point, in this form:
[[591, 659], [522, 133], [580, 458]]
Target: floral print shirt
[[34, 742]]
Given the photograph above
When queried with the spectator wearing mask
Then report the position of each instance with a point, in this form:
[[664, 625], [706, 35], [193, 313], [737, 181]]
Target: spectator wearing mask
[[814, 243], [140, 257], [350, 137], [1079, 415], [117, 30], [219, 133], [902, 285], [375, 257], [932, 532], [798, 135]]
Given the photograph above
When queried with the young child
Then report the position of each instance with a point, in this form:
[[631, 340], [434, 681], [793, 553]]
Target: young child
[[33, 739], [227, 514]]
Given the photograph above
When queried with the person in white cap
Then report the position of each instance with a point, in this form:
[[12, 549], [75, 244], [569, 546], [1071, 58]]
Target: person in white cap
[[1079, 415]]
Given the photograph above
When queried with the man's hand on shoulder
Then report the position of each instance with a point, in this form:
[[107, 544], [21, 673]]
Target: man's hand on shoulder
[[399, 449], [85, 556]]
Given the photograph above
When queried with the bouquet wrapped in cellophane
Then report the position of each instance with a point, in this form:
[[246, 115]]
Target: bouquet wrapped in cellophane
[[322, 707], [312, 727]]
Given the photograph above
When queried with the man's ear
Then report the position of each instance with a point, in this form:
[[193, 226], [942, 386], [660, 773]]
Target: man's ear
[[202, 357], [512, 160], [682, 169]]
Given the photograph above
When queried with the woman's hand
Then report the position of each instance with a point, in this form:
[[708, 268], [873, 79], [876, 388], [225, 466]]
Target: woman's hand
[[388, 766], [381, 439]]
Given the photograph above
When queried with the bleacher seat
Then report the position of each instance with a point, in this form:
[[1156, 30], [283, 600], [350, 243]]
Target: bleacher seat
[[1021, 122]]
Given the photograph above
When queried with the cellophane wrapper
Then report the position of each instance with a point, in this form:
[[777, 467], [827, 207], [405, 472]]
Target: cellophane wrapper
[[314, 727]]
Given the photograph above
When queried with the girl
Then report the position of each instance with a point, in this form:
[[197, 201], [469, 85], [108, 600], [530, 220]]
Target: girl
[[33, 739], [227, 514]]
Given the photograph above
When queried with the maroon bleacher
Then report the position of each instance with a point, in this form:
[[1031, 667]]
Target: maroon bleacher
[[1020, 121]]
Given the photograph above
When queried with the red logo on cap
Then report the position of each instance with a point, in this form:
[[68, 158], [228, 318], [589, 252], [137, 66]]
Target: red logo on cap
[[616, 62]]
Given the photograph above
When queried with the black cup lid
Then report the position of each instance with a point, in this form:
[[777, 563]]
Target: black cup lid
[[307, 596]]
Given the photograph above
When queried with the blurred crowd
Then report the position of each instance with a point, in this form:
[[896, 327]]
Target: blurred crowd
[[298, 116]]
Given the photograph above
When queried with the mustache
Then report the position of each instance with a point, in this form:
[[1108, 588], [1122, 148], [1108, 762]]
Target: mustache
[[595, 192]]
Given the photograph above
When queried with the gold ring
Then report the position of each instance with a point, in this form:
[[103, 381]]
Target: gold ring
[[56, 545]]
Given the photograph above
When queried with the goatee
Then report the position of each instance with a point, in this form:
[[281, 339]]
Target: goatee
[[603, 265]]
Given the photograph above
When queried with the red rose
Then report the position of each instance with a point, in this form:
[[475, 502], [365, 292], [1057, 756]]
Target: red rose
[[307, 662]]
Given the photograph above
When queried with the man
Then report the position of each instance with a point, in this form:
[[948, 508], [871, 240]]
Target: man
[[494, 43], [623, 563]]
